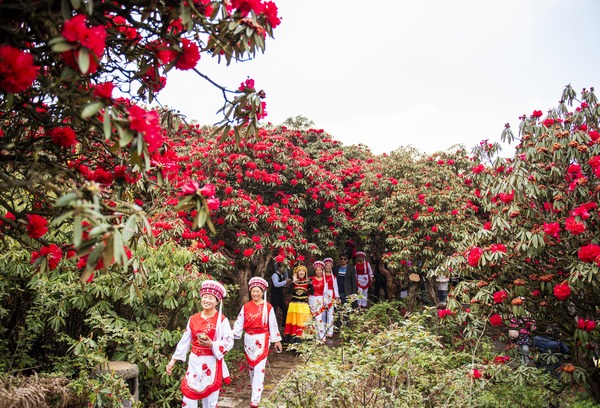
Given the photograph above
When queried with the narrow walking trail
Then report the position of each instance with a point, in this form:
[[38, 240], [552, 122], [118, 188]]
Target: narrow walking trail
[[277, 367]]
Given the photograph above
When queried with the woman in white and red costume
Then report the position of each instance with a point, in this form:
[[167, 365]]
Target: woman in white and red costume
[[316, 300], [330, 295], [209, 335], [258, 323], [364, 277]]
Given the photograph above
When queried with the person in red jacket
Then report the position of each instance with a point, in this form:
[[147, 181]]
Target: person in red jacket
[[208, 333], [258, 323]]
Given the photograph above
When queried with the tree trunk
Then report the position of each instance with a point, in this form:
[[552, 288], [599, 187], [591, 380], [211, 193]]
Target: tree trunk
[[242, 279], [593, 379]]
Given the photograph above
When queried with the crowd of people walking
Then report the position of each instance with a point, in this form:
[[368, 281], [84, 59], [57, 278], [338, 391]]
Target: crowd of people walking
[[313, 298]]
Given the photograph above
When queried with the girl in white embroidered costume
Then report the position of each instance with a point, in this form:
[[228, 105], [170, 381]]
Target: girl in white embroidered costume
[[208, 333], [330, 296], [316, 300], [258, 323], [364, 278]]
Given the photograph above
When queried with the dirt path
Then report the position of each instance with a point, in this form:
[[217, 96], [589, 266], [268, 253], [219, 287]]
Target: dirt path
[[278, 366]]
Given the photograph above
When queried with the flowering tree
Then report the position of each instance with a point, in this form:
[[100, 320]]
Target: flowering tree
[[77, 147], [281, 195], [417, 206], [539, 257]]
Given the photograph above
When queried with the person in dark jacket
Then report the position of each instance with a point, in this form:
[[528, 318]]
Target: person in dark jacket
[[346, 278], [280, 281]]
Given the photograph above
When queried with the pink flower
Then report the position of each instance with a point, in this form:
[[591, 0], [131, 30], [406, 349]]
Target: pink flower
[[190, 187], [37, 226], [17, 71], [496, 320], [562, 291], [474, 256], [213, 203], [208, 190], [64, 136]]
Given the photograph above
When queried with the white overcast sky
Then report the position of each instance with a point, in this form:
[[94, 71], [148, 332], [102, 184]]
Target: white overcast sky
[[426, 73]]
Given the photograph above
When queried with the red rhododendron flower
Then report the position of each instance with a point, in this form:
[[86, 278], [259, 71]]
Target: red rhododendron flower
[[63, 136], [562, 291], [500, 296], [434, 229], [52, 253], [37, 226], [583, 210], [585, 324], [245, 6], [487, 226], [498, 248], [76, 30], [189, 57], [474, 255], [478, 169], [548, 122], [496, 320], [270, 12], [442, 313], [104, 90], [573, 226], [475, 373], [552, 229], [589, 253], [17, 71], [501, 359], [248, 252], [537, 114], [147, 123], [507, 197]]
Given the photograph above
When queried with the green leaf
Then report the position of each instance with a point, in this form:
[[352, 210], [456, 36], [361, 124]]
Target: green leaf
[[106, 124], [62, 47], [59, 219], [76, 4], [66, 199], [91, 109], [77, 231], [129, 229], [200, 219], [126, 138], [83, 60]]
